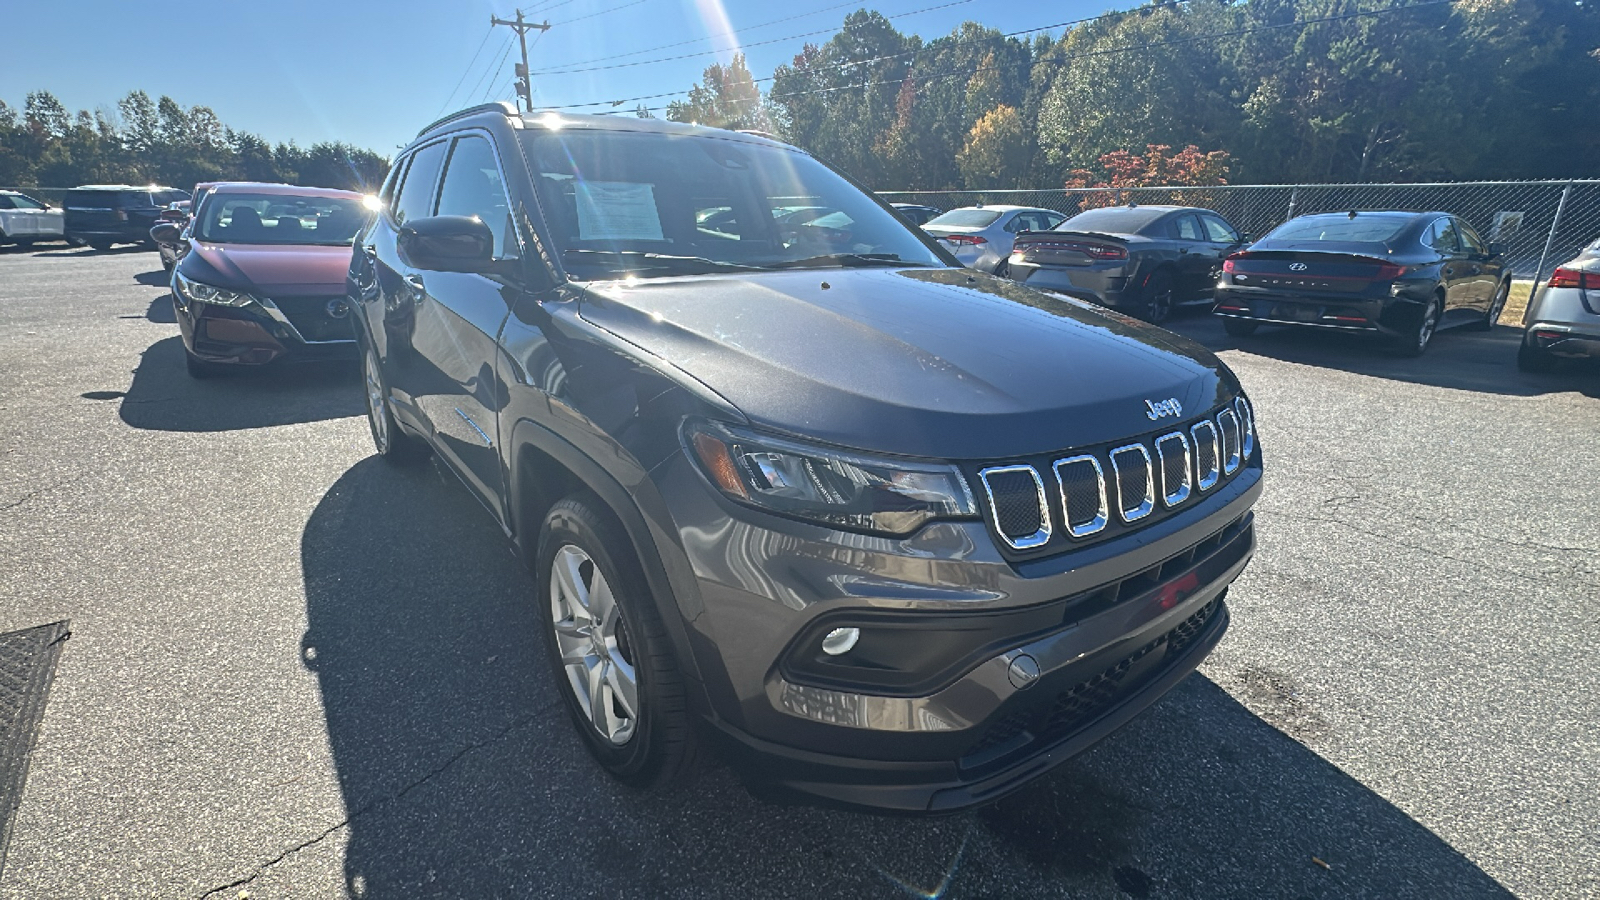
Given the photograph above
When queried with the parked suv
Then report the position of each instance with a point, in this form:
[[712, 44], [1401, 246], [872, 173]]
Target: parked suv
[[888, 532], [101, 215]]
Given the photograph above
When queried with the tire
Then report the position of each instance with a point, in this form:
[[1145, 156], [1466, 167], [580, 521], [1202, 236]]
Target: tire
[[1496, 306], [1532, 359], [1157, 298], [199, 368], [101, 246], [648, 741], [1239, 327], [1004, 269], [1415, 342], [388, 439]]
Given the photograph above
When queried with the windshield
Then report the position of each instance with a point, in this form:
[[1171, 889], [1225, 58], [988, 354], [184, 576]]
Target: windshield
[[1361, 229], [623, 203], [1113, 220], [279, 219], [965, 218]]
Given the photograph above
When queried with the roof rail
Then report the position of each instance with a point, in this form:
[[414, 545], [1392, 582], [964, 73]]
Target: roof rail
[[503, 107]]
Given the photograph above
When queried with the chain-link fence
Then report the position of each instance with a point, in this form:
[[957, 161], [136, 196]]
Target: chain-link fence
[[1540, 223]]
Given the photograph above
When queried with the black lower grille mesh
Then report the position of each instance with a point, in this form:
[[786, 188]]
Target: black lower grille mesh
[[1133, 479], [1081, 482], [1174, 466], [1205, 453], [310, 317]]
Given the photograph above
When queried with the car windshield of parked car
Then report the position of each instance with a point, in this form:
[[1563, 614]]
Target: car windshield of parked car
[[1113, 220], [1343, 229], [965, 218], [645, 204], [278, 219]]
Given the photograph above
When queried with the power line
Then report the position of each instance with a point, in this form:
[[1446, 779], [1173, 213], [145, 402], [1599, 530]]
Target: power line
[[601, 12], [522, 26], [467, 71], [557, 70], [504, 52], [646, 62]]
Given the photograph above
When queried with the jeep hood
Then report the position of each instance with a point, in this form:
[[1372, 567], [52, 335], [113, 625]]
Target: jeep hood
[[924, 362]]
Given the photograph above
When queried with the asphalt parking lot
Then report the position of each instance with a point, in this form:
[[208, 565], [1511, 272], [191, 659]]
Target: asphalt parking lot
[[297, 672]]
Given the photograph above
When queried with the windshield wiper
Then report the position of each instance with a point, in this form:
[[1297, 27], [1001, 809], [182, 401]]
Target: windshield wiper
[[664, 261], [845, 260]]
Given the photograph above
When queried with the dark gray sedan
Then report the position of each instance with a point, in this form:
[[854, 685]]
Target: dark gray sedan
[[1143, 260]]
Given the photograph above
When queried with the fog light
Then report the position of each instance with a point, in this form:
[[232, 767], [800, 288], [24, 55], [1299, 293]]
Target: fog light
[[840, 640]]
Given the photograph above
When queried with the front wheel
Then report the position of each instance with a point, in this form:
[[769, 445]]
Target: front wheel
[[394, 445], [609, 651], [1415, 342], [1157, 297], [101, 246], [1004, 269], [1495, 307]]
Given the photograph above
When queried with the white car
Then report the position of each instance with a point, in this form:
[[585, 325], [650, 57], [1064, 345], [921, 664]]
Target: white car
[[24, 220], [980, 236]]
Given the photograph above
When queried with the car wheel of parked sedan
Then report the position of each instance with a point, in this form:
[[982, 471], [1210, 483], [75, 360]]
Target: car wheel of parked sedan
[[1532, 359], [199, 368], [392, 443], [101, 246], [610, 652], [1495, 307], [1415, 342], [1158, 297], [1004, 269]]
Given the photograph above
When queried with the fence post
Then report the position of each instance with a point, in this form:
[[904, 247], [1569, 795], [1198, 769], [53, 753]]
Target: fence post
[[1549, 240], [1119, 197], [1294, 197]]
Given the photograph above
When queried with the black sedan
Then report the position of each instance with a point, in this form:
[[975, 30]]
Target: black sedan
[[1399, 275], [1143, 260]]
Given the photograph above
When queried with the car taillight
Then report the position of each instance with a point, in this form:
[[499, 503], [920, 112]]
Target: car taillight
[[1227, 261], [1105, 251], [1574, 278], [966, 239], [1389, 272]]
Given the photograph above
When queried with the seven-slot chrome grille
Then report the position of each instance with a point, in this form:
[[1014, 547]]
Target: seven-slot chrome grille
[[1086, 495]]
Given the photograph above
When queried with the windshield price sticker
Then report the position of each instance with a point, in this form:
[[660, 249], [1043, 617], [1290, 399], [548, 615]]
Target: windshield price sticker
[[617, 211]]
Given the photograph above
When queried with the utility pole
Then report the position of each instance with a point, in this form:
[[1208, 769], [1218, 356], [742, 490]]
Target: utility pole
[[521, 27]]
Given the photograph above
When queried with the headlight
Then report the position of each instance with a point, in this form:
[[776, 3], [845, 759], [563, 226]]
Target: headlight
[[205, 293], [834, 487]]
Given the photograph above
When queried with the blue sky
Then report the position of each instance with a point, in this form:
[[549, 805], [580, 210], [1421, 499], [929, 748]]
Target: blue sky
[[372, 73]]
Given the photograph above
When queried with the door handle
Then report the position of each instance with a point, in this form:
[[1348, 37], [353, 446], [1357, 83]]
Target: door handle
[[371, 250], [416, 283]]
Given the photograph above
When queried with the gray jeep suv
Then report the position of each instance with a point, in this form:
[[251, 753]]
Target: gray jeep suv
[[883, 531]]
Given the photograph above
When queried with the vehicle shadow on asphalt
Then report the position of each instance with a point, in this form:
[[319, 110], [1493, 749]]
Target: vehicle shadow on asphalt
[[161, 311], [461, 774], [1457, 358], [163, 397], [154, 278]]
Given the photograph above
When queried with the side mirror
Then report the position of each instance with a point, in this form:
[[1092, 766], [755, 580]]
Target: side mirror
[[1246, 237], [1496, 248], [447, 244], [166, 233]]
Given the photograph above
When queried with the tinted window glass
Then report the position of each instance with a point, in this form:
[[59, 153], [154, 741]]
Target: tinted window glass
[[416, 195], [396, 175], [637, 203], [1469, 238], [1218, 231], [23, 202], [1442, 236], [5, 202], [1186, 228], [1361, 229], [472, 187], [966, 218], [92, 199], [135, 199], [231, 218], [1113, 219]]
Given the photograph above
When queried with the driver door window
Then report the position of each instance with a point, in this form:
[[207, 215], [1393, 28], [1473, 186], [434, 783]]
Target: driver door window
[[472, 187]]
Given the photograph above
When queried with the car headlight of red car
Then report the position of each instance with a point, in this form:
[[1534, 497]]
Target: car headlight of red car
[[205, 293]]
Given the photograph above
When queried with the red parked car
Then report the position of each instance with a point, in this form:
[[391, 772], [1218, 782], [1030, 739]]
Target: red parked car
[[264, 277]]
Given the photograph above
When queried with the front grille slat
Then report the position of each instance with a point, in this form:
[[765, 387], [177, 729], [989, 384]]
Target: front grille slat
[[1135, 481], [1206, 463], [1176, 484], [1021, 511], [1083, 495]]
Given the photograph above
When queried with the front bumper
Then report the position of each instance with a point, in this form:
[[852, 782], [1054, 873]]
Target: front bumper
[[1092, 623], [256, 335]]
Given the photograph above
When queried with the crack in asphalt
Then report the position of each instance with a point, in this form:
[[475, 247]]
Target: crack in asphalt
[[376, 804], [29, 496]]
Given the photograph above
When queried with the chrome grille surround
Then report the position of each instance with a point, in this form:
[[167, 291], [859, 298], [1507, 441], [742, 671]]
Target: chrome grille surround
[[1247, 425], [1038, 538], [1207, 479], [1232, 458], [1145, 504], [1171, 495], [1098, 523]]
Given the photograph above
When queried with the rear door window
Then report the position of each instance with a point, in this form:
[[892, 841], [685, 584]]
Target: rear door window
[[1187, 228], [416, 194], [5, 202]]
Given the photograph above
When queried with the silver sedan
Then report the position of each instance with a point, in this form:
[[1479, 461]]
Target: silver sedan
[[981, 236], [1564, 317]]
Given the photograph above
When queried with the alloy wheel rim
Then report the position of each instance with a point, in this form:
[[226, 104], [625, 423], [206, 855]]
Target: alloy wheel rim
[[1499, 304], [1429, 321], [592, 641], [380, 424]]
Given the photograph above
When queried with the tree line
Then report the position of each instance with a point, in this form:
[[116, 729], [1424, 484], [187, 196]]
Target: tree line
[[162, 142], [1259, 91]]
